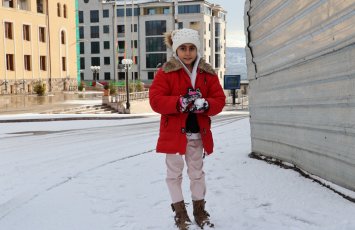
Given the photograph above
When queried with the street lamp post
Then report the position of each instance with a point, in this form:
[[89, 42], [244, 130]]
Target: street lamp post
[[127, 65], [95, 70], [156, 68]]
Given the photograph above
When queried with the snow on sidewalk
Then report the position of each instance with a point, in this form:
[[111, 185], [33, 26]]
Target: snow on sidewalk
[[130, 193]]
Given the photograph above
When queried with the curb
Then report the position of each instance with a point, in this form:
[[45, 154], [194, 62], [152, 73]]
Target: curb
[[69, 119]]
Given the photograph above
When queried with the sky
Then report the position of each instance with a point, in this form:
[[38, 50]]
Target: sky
[[106, 175], [235, 21]]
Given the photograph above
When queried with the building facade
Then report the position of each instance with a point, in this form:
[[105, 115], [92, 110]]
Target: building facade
[[106, 36], [37, 44]]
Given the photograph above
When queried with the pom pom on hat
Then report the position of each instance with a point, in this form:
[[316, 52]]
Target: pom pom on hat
[[178, 37]]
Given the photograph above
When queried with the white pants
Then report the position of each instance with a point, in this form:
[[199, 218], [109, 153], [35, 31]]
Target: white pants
[[194, 162]]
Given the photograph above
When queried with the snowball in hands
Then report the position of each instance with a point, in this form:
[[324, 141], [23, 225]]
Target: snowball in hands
[[200, 105]]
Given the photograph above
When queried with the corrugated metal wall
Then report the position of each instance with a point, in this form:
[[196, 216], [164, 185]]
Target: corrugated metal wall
[[301, 68]]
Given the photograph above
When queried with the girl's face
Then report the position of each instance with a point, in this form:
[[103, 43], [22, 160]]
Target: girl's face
[[187, 53]]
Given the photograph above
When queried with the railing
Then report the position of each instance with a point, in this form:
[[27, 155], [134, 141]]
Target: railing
[[241, 102], [134, 96], [118, 102]]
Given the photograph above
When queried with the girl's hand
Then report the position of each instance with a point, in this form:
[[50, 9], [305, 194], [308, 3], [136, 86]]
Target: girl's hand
[[186, 102]]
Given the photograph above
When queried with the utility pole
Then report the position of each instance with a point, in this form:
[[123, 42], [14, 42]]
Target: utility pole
[[132, 45], [115, 43], [49, 49], [176, 10]]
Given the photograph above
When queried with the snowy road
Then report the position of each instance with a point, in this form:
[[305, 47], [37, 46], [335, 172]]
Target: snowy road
[[105, 175]]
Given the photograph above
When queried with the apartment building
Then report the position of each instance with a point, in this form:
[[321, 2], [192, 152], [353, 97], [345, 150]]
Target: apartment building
[[37, 44], [113, 30]]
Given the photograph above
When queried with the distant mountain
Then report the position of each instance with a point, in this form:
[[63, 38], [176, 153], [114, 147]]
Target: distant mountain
[[236, 62]]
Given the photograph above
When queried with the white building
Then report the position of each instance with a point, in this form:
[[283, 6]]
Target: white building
[[140, 37]]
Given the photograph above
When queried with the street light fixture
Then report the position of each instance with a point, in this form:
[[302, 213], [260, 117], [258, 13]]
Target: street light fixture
[[95, 70], [127, 65]]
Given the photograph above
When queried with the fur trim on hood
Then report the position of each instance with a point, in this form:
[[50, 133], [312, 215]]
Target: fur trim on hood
[[174, 65], [168, 40]]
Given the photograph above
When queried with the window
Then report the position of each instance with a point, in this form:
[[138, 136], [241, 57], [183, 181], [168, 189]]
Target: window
[[86, 1], [81, 16], [64, 63], [65, 11], [152, 60], [27, 62], [154, 44], [134, 28], [217, 31], [82, 48], [155, 27], [166, 10], [26, 33], [40, 6], [106, 29], [82, 63], [43, 63], [62, 37], [94, 16], [217, 61], [189, 9], [207, 10], [8, 3], [23, 4], [217, 47], [106, 45], [120, 29], [180, 25], [107, 76], [95, 61], [120, 60], [120, 12], [134, 44], [58, 10], [81, 32], [8, 30], [42, 34], [106, 60], [151, 11], [10, 62], [150, 75], [121, 46], [95, 47], [121, 76], [94, 31], [105, 13]]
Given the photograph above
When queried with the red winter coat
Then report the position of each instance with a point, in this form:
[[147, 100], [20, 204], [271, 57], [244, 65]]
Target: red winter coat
[[170, 82]]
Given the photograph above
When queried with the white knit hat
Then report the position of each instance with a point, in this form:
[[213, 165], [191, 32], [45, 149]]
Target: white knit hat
[[184, 35]]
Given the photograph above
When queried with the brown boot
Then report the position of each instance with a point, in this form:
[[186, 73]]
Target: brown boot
[[182, 219], [201, 215]]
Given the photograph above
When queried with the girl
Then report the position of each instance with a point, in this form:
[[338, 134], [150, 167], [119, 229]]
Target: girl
[[186, 92]]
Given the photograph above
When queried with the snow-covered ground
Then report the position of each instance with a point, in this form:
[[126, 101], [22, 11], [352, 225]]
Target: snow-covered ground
[[105, 175]]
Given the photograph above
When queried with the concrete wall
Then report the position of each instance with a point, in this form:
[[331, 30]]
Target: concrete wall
[[301, 68]]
